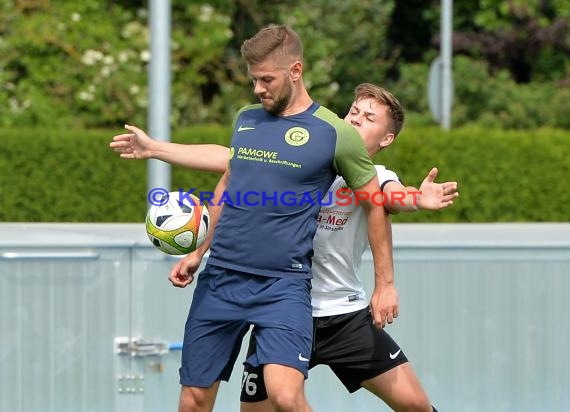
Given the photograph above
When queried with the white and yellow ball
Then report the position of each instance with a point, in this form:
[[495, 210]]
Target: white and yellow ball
[[175, 227]]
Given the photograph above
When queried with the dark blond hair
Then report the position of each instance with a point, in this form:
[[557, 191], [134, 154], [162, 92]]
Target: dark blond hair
[[278, 41], [383, 97]]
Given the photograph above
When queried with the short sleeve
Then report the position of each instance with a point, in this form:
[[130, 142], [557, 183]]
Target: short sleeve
[[351, 158]]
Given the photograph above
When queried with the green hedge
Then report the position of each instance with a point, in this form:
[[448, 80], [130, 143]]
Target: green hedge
[[503, 176], [73, 176]]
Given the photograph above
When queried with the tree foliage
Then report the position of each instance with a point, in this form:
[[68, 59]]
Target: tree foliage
[[83, 63], [71, 63], [530, 38]]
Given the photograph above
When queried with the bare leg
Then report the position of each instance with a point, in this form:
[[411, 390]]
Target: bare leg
[[193, 399], [285, 388], [263, 406], [400, 389]]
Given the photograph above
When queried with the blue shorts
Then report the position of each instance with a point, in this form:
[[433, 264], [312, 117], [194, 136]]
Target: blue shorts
[[225, 304]]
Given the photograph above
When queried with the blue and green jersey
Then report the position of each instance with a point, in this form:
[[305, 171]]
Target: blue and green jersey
[[280, 171]]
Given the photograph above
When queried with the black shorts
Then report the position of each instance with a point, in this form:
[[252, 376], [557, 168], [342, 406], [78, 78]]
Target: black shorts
[[349, 344]]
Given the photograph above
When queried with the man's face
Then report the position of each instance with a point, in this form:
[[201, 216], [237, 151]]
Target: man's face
[[371, 119], [272, 85]]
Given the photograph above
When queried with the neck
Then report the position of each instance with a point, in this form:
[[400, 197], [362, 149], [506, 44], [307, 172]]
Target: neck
[[300, 102], [373, 152]]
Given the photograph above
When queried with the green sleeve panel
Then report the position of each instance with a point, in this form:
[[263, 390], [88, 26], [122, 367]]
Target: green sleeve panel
[[351, 160]]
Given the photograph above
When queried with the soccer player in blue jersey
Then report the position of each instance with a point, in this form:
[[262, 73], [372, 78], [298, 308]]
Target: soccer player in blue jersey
[[259, 271]]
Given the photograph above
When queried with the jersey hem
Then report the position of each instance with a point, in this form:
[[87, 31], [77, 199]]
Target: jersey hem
[[321, 313], [257, 272]]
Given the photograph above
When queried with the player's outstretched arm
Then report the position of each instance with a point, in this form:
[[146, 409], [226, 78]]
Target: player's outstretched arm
[[182, 273], [384, 301], [430, 195], [138, 145]]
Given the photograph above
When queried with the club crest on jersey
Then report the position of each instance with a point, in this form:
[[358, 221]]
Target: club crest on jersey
[[297, 136]]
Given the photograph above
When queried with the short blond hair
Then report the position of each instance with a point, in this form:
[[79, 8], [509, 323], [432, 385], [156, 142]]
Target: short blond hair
[[279, 41]]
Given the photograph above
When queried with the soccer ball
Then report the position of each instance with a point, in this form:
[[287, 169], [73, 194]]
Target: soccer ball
[[177, 228]]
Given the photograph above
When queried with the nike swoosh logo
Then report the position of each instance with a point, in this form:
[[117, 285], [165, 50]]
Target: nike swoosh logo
[[395, 355], [303, 359], [244, 128]]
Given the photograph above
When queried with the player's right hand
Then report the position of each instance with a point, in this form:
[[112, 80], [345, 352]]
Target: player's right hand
[[134, 145], [182, 273]]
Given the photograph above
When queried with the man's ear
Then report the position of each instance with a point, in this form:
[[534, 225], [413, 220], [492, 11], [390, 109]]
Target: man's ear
[[296, 70], [387, 140]]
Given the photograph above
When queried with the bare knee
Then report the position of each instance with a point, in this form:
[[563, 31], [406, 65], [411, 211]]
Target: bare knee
[[194, 399], [417, 403], [285, 388], [287, 401]]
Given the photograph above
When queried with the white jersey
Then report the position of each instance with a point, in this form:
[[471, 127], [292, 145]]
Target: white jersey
[[340, 241]]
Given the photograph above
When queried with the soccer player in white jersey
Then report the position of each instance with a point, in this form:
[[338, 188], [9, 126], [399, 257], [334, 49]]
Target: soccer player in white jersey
[[345, 338]]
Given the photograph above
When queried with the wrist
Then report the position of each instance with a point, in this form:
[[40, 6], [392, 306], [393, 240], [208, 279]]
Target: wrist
[[416, 200], [153, 150], [203, 249], [382, 282]]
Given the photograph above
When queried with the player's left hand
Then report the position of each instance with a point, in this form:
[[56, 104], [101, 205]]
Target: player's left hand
[[384, 305], [434, 195]]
